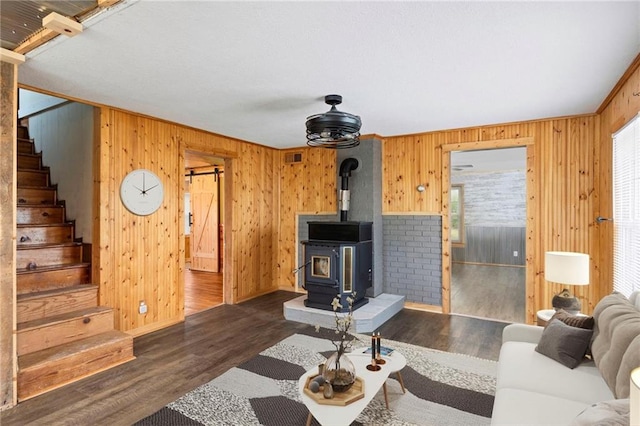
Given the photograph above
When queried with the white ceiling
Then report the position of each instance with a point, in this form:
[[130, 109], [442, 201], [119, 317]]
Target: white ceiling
[[256, 70], [491, 160]]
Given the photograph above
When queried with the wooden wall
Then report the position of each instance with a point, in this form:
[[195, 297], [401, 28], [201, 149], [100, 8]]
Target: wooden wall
[[624, 105], [8, 164], [561, 158], [307, 187], [142, 258]]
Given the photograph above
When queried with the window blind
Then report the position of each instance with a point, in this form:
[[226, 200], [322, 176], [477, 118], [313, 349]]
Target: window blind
[[626, 208]]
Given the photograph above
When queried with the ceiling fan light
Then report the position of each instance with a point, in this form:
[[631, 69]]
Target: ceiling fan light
[[333, 129]]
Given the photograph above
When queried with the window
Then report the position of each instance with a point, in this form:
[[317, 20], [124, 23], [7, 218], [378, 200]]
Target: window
[[457, 215], [626, 208]]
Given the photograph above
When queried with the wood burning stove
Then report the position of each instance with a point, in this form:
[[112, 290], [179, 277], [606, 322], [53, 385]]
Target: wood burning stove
[[338, 261]]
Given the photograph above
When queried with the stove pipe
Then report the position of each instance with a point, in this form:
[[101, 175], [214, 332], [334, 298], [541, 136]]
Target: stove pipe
[[346, 167]]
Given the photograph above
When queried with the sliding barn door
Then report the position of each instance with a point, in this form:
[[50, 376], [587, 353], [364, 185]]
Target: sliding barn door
[[204, 229]]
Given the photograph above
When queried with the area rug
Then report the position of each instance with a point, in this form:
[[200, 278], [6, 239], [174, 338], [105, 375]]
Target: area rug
[[442, 389]]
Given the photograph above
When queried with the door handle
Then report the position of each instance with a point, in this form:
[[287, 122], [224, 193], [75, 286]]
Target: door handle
[[190, 219], [601, 219]]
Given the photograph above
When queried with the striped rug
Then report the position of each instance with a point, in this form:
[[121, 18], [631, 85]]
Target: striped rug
[[442, 389]]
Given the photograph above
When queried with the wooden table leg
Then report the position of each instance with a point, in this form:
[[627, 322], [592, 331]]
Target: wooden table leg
[[386, 399], [401, 382], [309, 418]]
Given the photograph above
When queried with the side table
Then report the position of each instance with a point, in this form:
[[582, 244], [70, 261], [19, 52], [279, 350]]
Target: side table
[[544, 316]]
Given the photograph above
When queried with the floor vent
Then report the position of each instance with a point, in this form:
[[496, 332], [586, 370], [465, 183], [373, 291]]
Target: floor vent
[[293, 157]]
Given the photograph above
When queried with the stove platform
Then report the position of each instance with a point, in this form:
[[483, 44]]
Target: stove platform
[[367, 318]]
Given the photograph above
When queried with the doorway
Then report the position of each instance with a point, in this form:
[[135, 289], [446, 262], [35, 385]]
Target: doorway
[[204, 231], [488, 233]]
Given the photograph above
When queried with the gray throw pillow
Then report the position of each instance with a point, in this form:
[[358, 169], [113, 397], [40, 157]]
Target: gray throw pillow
[[564, 343], [579, 321]]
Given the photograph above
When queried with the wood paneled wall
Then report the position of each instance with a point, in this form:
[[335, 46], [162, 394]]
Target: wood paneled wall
[[307, 187], [624, 105], [142, 258], [8, 164], [561, 161]]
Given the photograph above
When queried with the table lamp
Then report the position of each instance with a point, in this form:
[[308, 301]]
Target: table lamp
[[565, 267]]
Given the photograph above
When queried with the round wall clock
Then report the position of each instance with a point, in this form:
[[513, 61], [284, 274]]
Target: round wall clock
[[141, 192]]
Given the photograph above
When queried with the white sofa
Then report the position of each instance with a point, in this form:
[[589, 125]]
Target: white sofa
[[533, 389]]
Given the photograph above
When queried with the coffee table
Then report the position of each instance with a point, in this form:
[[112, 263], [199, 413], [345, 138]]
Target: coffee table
[[335, 415]]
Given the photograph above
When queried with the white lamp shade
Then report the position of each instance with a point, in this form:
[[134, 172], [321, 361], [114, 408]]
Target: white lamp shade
[[566, 267]]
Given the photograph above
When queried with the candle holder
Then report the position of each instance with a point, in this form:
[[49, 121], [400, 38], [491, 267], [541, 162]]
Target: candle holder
[[373, 366]]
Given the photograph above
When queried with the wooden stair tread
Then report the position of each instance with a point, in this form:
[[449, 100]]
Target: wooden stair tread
[[56, 291], [61, 318], [46, 246], [55, 353], [43, 225], [52, 268], [62, 335], [44, 169], [39, 187]]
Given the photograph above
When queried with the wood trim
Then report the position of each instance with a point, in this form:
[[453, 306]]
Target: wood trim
[[107, 3], [492, 144], [446, 237], [228, 257], [36, 40], [489, 126], [528, 142], [532, 237], [149, 328], [421, 307], [8, 191], [635, 64]]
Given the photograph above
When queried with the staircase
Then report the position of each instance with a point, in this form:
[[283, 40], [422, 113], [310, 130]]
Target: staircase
[[62, 333]]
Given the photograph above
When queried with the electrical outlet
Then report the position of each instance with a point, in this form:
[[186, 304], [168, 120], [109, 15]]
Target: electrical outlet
[[142, 308], [515, 254]]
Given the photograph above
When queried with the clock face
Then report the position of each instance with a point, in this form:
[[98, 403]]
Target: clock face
[[141, 192]]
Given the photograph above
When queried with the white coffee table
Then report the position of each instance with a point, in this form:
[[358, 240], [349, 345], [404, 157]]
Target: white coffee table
[[334, 415]]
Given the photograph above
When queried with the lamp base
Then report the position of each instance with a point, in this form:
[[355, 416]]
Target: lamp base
[[565, 300]]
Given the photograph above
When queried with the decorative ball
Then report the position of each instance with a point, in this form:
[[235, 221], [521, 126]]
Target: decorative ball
[[319, 379], [314, 386]]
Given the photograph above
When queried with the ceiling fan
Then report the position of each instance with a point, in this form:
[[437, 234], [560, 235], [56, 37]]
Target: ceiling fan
[[460, 167]]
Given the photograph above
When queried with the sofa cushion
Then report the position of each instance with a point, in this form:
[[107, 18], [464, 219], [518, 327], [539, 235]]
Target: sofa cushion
[[521, 367], [605, 413], [580, 321], [564, 343], [617, 325], [630, 361], [521, 407]]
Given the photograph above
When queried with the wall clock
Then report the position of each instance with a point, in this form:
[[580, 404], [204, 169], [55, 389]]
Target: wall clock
[[141, 192]]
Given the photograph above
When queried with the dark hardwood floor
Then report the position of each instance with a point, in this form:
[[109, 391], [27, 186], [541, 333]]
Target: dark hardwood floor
[[175, 360]]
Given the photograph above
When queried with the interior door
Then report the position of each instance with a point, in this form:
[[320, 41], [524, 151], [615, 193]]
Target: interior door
[[205, 220]]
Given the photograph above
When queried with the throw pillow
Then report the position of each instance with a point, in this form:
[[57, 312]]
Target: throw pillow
[[605, 413], [564, 343], [573, 320]]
